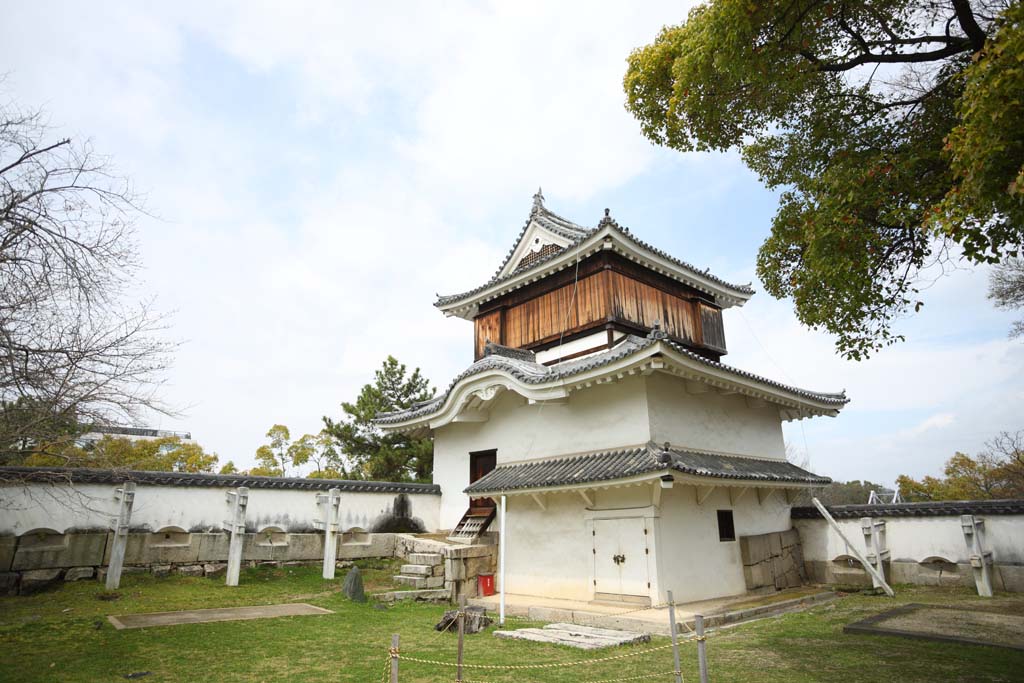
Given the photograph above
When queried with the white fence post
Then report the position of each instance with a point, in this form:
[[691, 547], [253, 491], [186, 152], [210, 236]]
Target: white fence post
[[981, 559], [874, 539], [126, 496], [332, 507], [237, 500]]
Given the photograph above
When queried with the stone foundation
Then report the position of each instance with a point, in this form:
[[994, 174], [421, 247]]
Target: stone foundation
[[1005, 577], [75, 556]]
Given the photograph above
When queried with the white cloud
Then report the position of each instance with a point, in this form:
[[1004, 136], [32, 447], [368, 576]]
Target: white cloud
[[322, 169]]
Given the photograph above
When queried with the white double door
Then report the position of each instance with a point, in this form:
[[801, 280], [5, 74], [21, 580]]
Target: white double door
[[620, 558]]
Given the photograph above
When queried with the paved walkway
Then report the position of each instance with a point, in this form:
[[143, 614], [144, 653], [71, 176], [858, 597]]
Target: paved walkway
[[201, 616], [652, 620]]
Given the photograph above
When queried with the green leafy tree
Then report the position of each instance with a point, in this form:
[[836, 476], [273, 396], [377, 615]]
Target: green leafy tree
[[894, 129], [276, 457], [167, 454], [996, 472], [374, 453]]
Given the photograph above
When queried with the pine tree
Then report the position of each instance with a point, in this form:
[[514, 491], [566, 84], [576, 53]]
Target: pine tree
[[373, 453]]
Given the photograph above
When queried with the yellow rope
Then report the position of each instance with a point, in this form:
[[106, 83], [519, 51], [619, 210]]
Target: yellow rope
[[509, 667], [603, 680]]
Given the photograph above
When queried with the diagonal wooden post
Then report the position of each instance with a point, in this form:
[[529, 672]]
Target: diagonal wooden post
[[702, 654], [856, 553], [394, 658], [126, 498], [675, 636]]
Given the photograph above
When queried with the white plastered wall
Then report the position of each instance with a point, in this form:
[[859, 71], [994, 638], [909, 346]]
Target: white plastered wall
[[711, 421], [916, 539], [694, 563], [602, 417], [550, 550], [62, 507]]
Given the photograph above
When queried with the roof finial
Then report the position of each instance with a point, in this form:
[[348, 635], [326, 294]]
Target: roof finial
[[607, 220], [538, 199], [656, 331]]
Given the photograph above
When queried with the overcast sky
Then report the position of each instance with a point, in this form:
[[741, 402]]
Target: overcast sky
[[321, 170]]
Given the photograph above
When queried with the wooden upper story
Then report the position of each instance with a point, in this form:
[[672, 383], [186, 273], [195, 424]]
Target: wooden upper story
[[566, 284], [608, 293]]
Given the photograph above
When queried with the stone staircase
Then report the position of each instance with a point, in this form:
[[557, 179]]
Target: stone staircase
[[424, 571]]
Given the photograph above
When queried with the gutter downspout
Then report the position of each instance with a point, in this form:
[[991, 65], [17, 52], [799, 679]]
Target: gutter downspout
[[501, 562]]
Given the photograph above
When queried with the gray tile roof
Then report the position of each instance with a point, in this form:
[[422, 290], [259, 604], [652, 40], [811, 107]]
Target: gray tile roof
[[16, 475], [576, 234], [622, 464], [534, 373], [927, 509]]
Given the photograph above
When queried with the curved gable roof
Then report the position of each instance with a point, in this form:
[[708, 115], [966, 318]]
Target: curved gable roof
[[583, 242]]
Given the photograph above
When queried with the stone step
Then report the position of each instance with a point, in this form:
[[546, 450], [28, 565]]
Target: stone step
[[430, 595], [417, 570], [422, 570], [425, 558], [420, 581]]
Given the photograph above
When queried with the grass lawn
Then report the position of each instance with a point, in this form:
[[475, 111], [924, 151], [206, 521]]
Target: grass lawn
[[63, 635]]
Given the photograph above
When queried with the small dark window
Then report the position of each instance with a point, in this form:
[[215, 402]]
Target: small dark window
[[726, 529]]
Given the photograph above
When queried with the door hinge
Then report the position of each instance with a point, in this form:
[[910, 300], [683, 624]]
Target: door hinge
[[594, 551], [648, 584], [647, 551], [593, 533], [645, 531], [595, 582]]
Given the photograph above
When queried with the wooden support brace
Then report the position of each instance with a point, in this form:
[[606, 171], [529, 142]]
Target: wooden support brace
[[734, 496], [701, 497], [539, 500], [586, 498], [125, 495]]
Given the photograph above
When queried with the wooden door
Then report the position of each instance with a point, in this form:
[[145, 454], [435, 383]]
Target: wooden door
[[620, 558], [480, 464]]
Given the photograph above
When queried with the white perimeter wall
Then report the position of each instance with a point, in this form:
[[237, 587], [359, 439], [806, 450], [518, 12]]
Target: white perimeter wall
[[712, 421], [916, 539], [62, 507]]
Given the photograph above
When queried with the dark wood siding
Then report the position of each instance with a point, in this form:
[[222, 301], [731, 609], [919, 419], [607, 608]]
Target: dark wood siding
[[610, 293], [713, 335], [488, 327]]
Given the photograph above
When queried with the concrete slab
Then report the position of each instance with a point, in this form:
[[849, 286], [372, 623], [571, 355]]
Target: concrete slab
[[573, 635], [201, 616], [946, 624]]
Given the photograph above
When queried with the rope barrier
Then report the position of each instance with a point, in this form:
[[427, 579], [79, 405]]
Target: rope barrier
[[555, 665], [602, 680]]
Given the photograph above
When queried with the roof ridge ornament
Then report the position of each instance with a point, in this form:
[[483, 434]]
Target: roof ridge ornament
[[656, 331], [538, 201]]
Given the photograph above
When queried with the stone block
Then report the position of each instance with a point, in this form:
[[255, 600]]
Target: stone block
[[1010, 577], [44, 550], [454, 570], [190, 570], [425, 558], [101, 574], [160, 570], [9, 582], [469, 551], [371, 545], [211, 547], [8, 544], [479, 565], [417, 570], [79, 573], [164, 547], [135, 570], [438, 570], [267, 546], [36, 580], [215, 569]]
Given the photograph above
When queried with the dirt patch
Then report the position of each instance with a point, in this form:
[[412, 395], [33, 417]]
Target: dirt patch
[[931, 622]]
